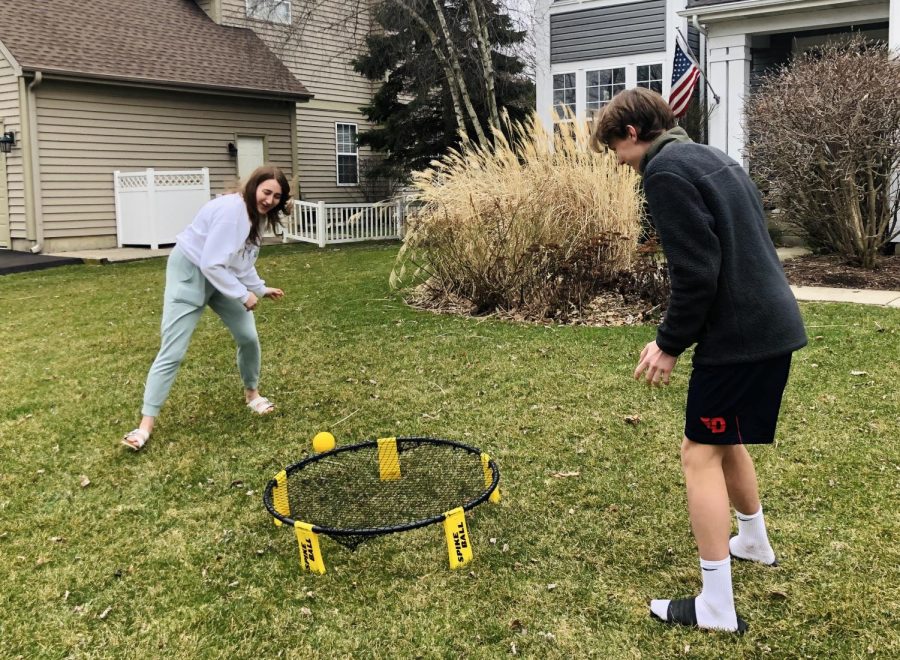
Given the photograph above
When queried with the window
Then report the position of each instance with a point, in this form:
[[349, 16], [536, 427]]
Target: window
[[273, 11], [650, 76], [564, 95], [601, 86], [347, 157]]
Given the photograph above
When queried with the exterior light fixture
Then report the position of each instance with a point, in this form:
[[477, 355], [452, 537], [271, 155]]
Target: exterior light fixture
[[232, 150], [7, 142]]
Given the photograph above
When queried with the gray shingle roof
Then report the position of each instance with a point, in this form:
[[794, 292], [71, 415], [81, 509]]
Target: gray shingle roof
[[165, 42]]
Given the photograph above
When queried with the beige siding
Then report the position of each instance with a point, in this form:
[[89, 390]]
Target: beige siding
[[211, 7], [318, 47], [86, 132], [12, 209], [325, 35], [317, 157]]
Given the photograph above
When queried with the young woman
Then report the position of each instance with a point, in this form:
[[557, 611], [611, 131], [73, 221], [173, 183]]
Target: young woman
[[214, 263]]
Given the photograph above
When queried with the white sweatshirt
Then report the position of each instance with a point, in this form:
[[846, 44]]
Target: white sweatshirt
[[216, 242]]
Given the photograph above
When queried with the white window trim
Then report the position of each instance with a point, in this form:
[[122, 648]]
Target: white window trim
[[662, 75], [630, 63], [603, 103], [338, 153], [249, 12], [579, 96]]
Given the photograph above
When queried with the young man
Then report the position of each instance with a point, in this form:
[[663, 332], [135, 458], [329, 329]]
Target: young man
[[729, 297]]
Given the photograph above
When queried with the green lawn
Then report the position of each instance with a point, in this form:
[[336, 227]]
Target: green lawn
[[169, 552]]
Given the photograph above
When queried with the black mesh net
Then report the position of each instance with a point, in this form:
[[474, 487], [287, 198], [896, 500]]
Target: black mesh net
[[355, 493]]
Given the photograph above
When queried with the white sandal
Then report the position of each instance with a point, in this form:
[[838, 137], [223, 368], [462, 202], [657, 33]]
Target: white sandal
[[136, 439], [261, 405]]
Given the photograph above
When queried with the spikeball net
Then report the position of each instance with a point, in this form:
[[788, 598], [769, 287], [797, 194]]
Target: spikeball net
[[358, 492]]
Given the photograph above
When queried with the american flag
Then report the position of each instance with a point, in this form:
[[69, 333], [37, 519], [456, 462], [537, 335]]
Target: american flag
[[684, 78]]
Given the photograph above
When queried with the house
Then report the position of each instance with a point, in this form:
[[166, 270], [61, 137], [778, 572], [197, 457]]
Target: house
[[88, 87], [587, 50], [317, 41]]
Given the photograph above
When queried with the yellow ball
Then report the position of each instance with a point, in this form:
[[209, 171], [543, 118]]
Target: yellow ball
[[323, 441]]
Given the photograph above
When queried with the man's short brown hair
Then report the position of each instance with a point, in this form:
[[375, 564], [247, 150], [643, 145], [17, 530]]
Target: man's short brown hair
[[640, 107]]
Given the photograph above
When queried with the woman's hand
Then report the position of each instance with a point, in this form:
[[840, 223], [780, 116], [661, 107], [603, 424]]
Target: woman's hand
[[274, 294], [251, 301]]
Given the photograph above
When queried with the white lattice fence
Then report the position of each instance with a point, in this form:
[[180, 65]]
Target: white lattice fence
[[152, 206], [323, 223]]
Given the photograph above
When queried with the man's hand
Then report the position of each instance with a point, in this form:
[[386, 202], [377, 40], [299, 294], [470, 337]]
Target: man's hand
[[251, 301], [657, 363], [274, 294]]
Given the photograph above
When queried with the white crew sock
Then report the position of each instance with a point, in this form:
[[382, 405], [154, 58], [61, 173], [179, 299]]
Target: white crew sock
[[752, 541], [715, 604]]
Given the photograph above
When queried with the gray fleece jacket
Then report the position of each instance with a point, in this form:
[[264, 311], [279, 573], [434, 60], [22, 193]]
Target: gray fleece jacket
[[729, 292]]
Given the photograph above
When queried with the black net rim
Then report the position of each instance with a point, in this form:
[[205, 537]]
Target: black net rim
[[377, 531]]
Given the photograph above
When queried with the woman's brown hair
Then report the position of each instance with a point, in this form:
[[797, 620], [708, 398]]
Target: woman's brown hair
[[259, 223], [640, 107]]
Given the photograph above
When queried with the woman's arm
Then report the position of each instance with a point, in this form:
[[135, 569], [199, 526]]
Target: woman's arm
[[226, 237]]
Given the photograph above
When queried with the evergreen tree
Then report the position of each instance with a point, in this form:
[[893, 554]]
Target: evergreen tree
[[414, 111]]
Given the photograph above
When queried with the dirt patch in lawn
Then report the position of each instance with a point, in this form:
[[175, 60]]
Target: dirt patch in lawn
[[834, 271]]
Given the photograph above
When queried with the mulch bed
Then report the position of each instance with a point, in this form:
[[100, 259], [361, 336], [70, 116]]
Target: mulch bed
[[834, 271], [614, 309], [608, 308]]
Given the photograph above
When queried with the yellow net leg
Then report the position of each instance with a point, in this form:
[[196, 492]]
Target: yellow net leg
[[310, 554], [388, 459], [459, 545], [280, 497], [489, 477]]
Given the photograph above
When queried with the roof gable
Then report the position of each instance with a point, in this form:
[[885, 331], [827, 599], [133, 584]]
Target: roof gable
[[164, 42]]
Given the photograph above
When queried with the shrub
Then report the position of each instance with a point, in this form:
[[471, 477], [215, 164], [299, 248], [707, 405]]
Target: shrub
[[824, 138], [535, 225]]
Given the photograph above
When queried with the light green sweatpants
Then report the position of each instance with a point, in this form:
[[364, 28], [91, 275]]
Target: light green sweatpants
[[187, 294]]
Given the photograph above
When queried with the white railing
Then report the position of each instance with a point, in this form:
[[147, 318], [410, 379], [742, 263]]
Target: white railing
[[153, 206], [323, 223]]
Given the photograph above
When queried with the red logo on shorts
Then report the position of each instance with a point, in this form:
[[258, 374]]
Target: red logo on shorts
[[714, 424]]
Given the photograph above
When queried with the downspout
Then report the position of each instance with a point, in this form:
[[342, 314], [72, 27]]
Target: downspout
[[696, 24], [704, 62], [33, 167]]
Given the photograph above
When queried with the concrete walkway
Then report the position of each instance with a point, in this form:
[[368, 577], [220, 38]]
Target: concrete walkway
[[114, 255], [118, 255], [861, 296], [806, 293], [828, 294]]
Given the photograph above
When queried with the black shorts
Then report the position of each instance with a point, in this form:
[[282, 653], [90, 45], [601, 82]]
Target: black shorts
[[736, 404]]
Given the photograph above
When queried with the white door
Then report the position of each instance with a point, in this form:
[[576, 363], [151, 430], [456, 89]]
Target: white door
[[251, 154]]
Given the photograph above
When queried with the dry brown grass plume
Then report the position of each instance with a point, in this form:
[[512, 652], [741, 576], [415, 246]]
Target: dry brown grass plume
[[536, 225]]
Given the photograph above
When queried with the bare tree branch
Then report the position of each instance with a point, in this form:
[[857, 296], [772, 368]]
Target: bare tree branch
[[484, 48], [458, 73]]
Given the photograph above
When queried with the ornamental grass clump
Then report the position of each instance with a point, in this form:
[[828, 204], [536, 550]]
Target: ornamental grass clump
[[824, 141], [535, 225]]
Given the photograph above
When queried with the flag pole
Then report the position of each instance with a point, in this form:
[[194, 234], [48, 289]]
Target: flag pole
[[690, 54]]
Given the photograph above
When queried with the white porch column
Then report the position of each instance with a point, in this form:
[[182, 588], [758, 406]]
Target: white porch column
[[542, 76], [673, 20], [729, 76], [894, 26]]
